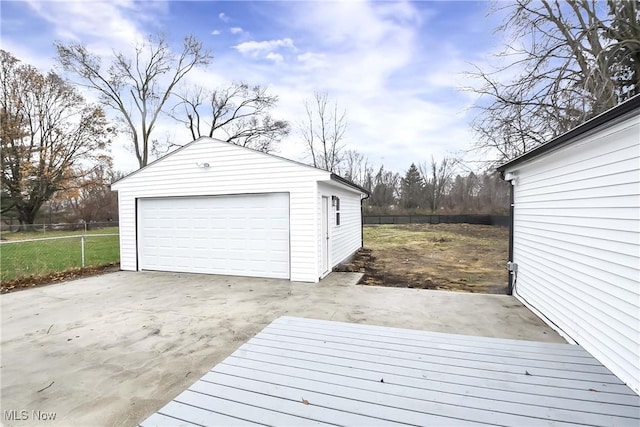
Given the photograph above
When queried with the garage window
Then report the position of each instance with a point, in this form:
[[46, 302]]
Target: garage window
[[336, 203]]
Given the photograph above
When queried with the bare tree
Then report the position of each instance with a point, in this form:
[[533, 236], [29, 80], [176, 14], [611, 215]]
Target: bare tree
[[623, 46], [463, 193], [494, 193], [355, 167], [136, 88], [323, 131], [90, 197], [239, 114], [47, 130], [566, 57], [437, 177]]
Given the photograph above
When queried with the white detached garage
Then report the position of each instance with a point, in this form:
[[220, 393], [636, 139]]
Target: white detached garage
[[218, 208], [576, 236]]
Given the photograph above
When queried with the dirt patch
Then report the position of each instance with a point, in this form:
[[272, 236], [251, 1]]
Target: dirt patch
[[456, 257], [49, 279]]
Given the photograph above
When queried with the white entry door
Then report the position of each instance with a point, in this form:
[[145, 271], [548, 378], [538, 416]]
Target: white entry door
[[244, 235]]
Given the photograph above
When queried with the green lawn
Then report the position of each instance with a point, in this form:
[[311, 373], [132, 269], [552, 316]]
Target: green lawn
[[45, 257]]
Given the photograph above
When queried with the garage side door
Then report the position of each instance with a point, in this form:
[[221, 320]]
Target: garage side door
[[244, 235]]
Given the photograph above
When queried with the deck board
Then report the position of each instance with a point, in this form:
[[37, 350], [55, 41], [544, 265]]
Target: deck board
[[163, 420], [409, 352], [205, 416], [313, 372], [437, 343], [509, 375], [384, 331], [478, 398], [512, 383]]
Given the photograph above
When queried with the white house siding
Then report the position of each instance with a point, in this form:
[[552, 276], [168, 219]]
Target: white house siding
[[577, 242], [232, 170], [345, 238], [127, 220]]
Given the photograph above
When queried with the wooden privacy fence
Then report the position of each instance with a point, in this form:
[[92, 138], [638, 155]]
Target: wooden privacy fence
[[500, 220]]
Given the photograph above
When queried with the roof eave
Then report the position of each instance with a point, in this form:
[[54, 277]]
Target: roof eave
[[344, 181]]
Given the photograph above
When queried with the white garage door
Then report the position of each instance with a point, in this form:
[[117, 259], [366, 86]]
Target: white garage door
[[246, 235]]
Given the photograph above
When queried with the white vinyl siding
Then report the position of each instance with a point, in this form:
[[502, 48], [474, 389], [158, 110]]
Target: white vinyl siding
[[127, 225], [346, 238], [232, 170], [577, 242], [245, 235]]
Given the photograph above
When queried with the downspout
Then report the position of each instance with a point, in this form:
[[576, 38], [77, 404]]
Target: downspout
[[511, 206], [366, 196], [512, 267]]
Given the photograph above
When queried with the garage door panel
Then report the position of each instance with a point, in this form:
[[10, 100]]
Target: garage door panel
[[280, 247], [258, 224], [278, 224], [279, 265], [236, 235], [199, 245], [164, 242]]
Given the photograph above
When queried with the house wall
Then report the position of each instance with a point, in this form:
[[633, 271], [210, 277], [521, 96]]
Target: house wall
[[233, 170], [577, 242], [346, 238]]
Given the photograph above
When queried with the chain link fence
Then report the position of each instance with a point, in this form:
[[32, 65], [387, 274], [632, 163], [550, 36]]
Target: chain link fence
[[47, 249], [37, 229]]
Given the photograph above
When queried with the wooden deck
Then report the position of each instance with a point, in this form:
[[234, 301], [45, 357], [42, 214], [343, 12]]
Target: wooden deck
[[313, 372]]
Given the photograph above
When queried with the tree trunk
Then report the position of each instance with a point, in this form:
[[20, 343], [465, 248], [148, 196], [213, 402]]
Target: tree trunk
[[26, 217]]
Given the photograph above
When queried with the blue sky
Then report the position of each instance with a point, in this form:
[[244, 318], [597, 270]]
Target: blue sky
[[396, 67]]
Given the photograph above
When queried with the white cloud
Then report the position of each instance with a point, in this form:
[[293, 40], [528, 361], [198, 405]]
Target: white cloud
[[312, 60], [275, 57], [223, 17], [215, 32], [256, 49], [104, 24], [334, 22], [362, 53], [236, 30]]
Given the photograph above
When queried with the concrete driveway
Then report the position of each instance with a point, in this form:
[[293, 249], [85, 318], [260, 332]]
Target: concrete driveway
[[113, 349]]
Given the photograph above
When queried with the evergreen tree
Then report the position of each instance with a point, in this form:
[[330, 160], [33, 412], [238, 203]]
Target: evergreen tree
[[411, 188]]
